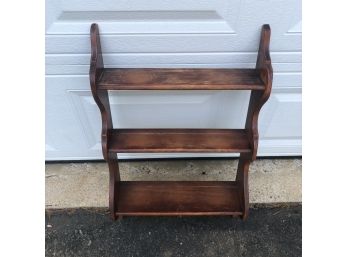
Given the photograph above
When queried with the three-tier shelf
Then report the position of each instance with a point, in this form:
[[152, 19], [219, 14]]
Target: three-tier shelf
[[150, 198]]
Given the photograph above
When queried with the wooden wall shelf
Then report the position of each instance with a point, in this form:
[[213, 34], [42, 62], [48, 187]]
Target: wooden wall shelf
[[179, 197], [181, 79], [179, 141]]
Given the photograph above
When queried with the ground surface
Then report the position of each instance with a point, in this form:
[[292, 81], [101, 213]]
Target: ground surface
[[267, 232], [79, 185]]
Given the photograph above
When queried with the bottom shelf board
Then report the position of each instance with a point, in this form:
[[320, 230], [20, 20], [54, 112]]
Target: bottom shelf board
[[178, 198]]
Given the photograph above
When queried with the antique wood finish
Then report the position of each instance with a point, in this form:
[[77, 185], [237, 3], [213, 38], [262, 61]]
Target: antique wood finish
[[183, 79], [114, 184], [242, 182], [179, 140], [258, 98], [101, 97], [179, 197]]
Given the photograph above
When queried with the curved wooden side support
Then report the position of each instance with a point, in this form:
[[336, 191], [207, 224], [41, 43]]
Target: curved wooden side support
[[101, 97], [242, 180], [258, 98], [114, 181]]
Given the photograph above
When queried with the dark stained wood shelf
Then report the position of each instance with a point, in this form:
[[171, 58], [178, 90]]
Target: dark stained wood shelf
[[179, 141], [181, 79], [174, 197], [179, 198]]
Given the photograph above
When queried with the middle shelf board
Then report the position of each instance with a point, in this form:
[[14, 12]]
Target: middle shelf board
[[179, 141], [180, 79]]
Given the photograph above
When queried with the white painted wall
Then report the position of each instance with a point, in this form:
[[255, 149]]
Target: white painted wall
[[159, 33]]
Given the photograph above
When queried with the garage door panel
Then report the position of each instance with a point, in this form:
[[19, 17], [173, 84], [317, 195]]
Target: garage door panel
[[195, 109], [153, 16], [177, 43], [281, 117], [223, 58], [156, 33], [282, 77], [141, 22], [63, 136]]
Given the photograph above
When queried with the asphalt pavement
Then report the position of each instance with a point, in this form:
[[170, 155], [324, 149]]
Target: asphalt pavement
[[90, 232]]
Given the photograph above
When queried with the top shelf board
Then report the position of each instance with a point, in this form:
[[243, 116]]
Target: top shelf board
[[180, 79]]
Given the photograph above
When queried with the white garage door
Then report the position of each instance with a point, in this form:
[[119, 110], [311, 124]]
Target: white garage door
[[180, 33]]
